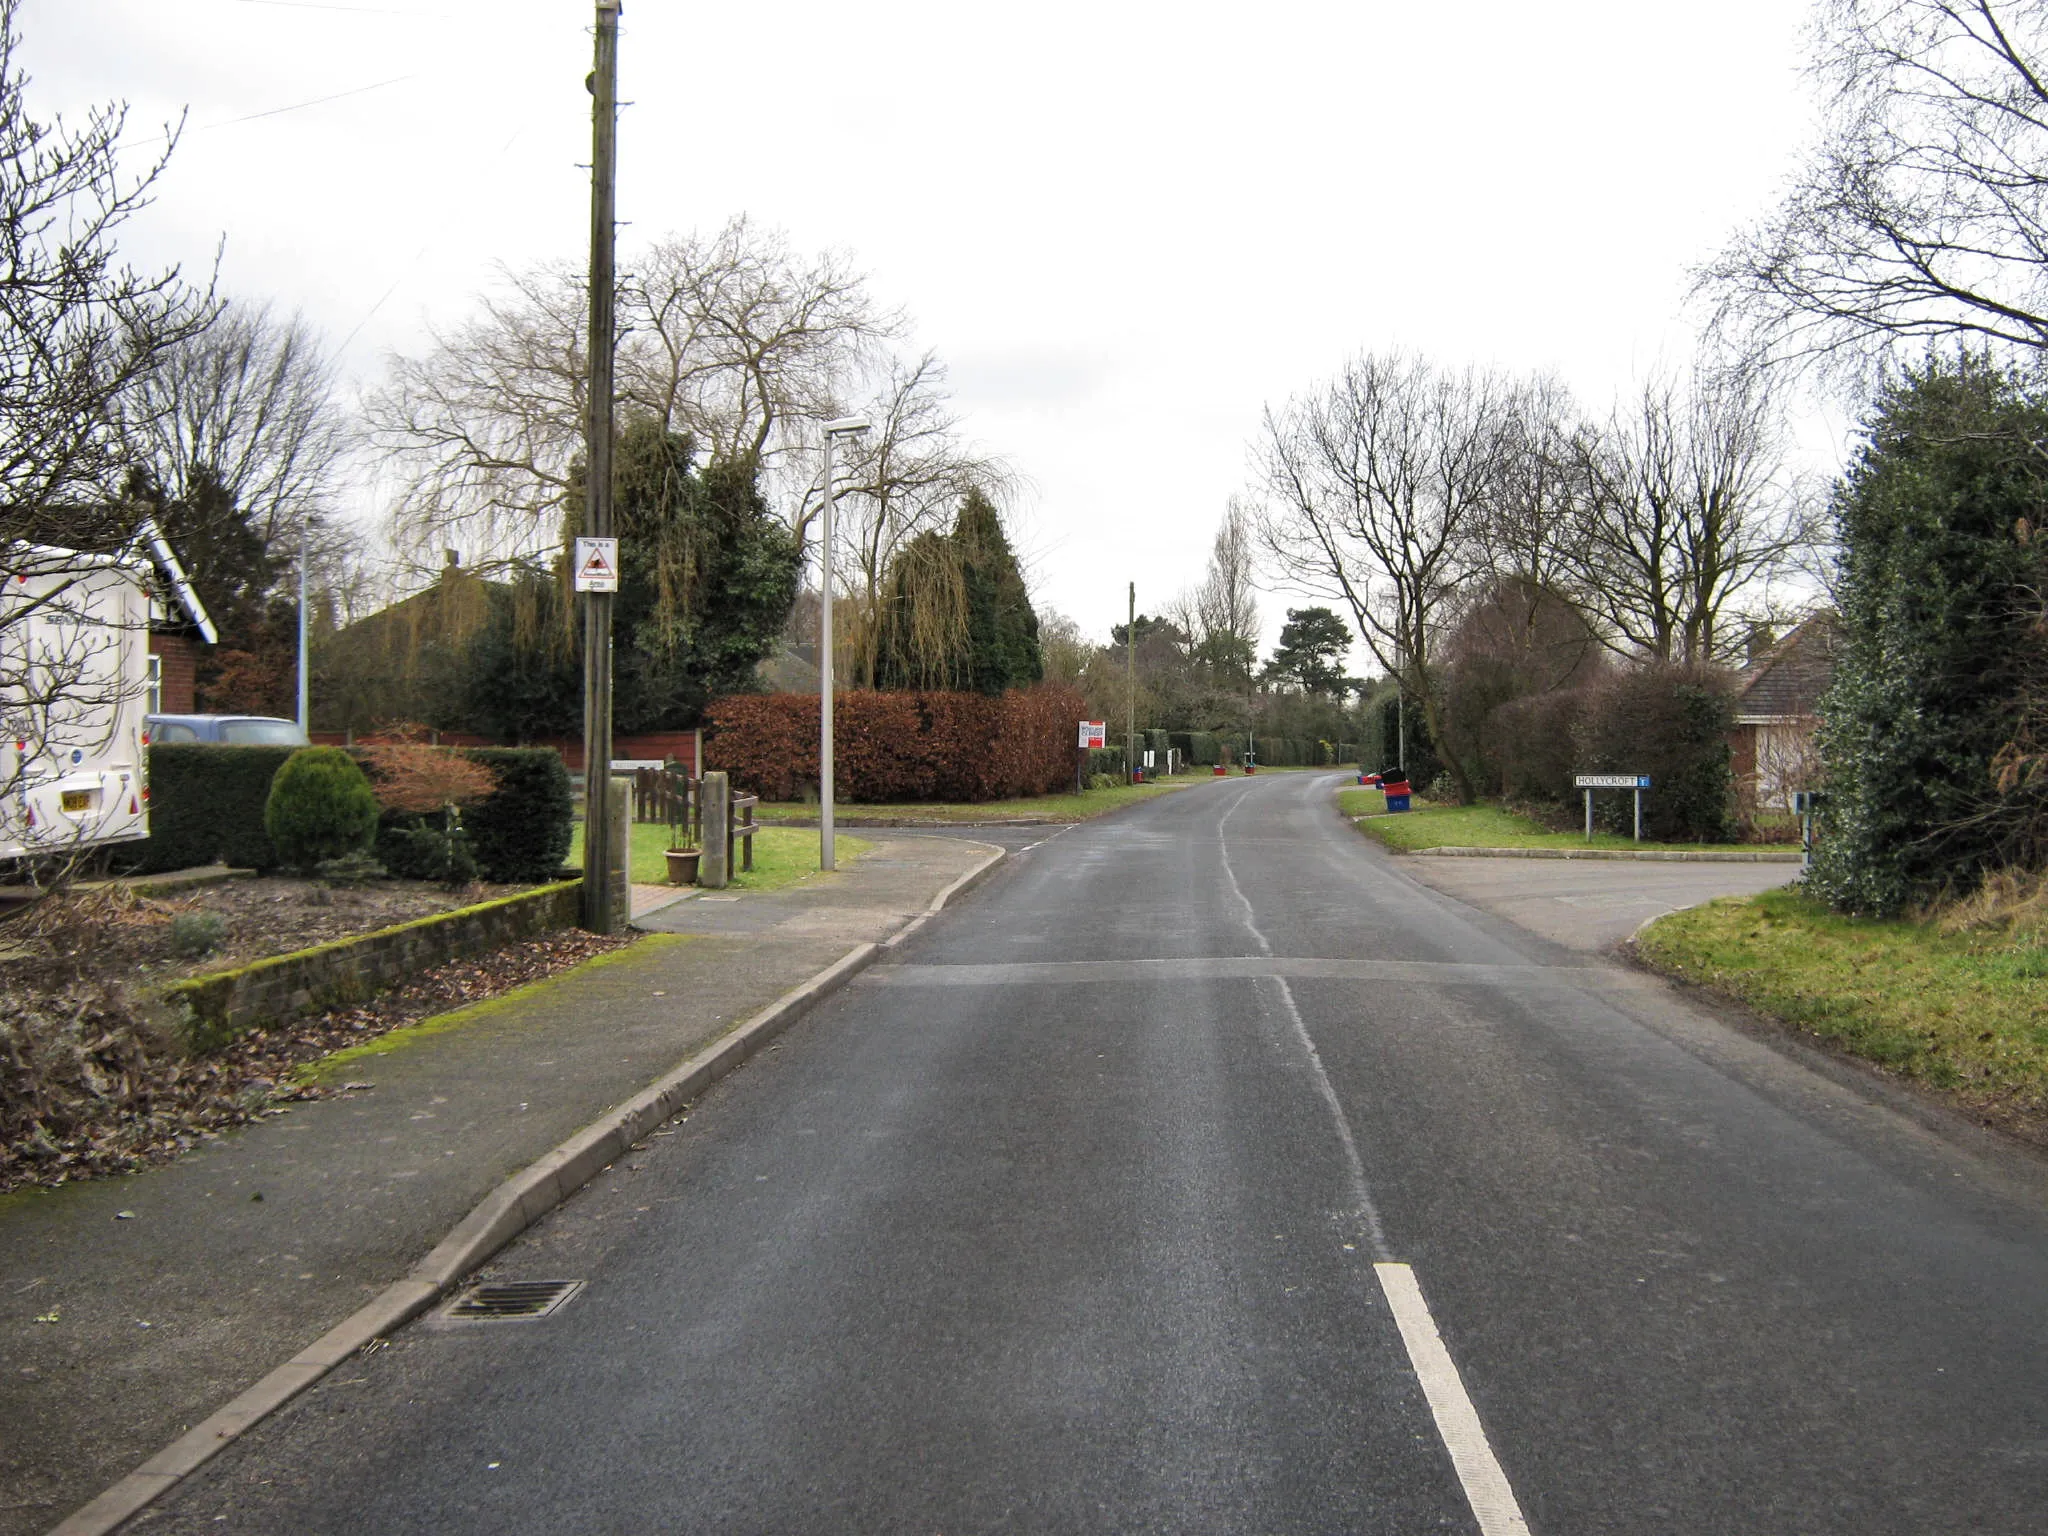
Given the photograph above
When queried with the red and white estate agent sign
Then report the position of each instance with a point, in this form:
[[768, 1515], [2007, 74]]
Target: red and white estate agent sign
[[1094, 732]]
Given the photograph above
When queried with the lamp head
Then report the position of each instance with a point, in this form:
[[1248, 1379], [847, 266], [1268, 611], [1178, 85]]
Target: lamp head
[[846, 426]]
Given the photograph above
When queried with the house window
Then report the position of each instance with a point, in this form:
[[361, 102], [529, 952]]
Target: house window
[[155, 691]]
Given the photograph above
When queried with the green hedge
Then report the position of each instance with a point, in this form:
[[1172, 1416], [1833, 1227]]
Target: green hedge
[[1289, 752], [1106, 760], [206, 806]]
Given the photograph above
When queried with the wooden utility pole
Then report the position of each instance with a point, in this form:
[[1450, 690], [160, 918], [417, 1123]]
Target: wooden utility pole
[[1131, 690], [598, 913]]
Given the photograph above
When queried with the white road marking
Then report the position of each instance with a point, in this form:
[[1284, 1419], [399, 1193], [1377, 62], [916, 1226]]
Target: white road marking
[[1361, 1193], [1457, 1421]]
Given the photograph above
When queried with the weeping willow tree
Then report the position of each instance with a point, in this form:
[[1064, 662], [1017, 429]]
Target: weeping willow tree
[[955, 613]]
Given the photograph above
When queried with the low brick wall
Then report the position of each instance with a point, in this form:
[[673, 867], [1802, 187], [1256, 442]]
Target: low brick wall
[[219, 1007]]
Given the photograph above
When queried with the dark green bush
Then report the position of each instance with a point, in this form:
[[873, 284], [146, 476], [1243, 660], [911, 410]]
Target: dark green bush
[[1939, 592], [1672, 723], [1423, 765], [321, 807], [521, 832], [416, 846], [1109, 760], [196, 933]]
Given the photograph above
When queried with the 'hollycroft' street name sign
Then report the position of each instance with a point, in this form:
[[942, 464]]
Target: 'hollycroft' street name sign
[[1592, 781]]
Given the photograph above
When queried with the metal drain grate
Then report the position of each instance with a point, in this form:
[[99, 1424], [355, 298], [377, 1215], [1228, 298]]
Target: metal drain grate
[[511, 1301]]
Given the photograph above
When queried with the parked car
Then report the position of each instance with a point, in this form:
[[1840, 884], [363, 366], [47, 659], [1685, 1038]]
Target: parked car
[[233, 730]]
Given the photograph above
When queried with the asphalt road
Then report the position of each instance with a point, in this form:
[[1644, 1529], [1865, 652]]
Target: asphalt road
[[1203, 1172]]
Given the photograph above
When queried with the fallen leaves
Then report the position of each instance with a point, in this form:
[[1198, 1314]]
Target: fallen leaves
[[88, 1089]]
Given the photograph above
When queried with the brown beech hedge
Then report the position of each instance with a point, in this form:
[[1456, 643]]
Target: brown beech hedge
[[899, 746]]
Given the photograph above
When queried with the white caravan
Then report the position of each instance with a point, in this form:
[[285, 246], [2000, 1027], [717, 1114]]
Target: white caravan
[[75, 682]]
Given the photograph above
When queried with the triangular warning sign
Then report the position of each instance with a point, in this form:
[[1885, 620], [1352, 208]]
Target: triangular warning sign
[[597, 565]]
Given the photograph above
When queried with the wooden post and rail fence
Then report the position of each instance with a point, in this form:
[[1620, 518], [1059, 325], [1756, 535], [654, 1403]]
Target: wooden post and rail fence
[[703, 813]]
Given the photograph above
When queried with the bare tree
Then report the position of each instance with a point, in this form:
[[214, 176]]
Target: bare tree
[[251, 402], [731, 339], [1225, 606], [1380, 483], [1531, 533], [1067, 651], [1923, 211], [486, 425], [735, 338], [237, 442], [78, 330], [1682, 513]]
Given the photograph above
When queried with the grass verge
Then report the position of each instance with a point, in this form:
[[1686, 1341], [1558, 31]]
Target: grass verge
[[1481, 826], [782, 855], [1964, 1013], [1070, 807]]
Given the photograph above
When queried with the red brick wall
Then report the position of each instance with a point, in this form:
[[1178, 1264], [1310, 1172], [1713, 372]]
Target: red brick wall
[[179, 663]]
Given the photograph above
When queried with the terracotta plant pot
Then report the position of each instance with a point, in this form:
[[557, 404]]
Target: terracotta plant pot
[[682, 865]]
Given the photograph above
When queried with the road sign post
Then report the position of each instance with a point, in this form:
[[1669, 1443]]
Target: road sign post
[[1637, 782], [600, 913]]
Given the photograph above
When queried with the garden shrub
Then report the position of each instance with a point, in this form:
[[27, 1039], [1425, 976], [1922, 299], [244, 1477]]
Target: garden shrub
[[321, 807], [1423, 763], [197, 933], [1106, 762], [1533, 746], [1672, 723], [520, 832]]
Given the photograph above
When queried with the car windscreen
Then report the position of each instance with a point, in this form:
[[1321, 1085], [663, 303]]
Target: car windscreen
[[262, 733]]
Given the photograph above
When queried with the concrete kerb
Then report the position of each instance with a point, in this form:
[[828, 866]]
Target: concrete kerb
[[1646, 855], [501, 1216]]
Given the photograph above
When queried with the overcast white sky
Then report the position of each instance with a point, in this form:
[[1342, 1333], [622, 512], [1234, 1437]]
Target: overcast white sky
[[1126, 226]]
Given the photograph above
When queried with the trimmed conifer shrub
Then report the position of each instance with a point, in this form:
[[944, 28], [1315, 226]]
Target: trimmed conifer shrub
[[521, 830], [321, 807]]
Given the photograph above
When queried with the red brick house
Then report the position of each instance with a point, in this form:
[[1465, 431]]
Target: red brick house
[[1777, 707]]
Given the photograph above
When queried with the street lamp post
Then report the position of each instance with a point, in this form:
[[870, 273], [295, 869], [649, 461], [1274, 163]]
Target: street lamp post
[[828, 858]]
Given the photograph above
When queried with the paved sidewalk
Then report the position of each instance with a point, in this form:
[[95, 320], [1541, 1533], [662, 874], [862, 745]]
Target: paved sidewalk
[[173, 1290]]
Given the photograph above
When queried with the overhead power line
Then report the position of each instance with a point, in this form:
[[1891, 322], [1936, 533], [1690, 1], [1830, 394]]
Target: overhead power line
[[296, 106], [315, 5]]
